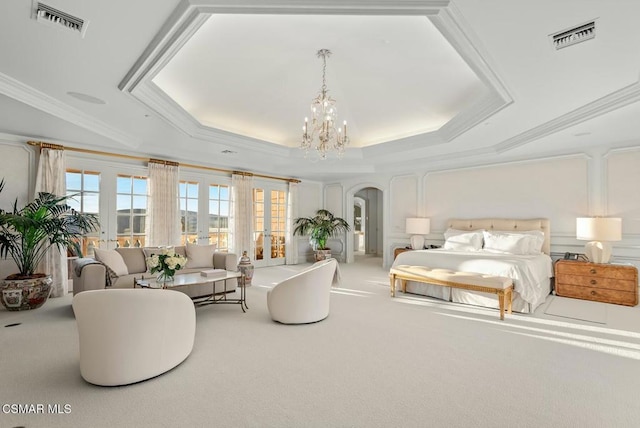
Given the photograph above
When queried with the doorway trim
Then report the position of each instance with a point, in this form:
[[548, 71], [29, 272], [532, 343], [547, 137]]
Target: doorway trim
[[349, 202]]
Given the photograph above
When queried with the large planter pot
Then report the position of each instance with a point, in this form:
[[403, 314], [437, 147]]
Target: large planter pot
[[322, 255], [22, 294]]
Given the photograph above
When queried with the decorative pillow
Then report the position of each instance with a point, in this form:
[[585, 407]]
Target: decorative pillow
[[507, 243], [200, 256], [134, 259], [463, 240], [113, 259]]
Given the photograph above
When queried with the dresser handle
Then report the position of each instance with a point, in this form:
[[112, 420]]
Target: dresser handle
[[593, 293], [594, 282], [593, 271]]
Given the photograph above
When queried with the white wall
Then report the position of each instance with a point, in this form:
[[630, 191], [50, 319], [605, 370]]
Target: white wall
[[560, 188], [310, 200], [17, 167]]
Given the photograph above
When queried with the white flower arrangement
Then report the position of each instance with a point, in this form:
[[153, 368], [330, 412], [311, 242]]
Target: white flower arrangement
[[167, 262]]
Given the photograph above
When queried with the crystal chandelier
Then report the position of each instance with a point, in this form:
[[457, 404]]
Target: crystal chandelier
[[321, 134]]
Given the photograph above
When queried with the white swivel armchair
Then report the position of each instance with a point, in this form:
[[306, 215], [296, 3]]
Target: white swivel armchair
[[303, 298], [129, 335]]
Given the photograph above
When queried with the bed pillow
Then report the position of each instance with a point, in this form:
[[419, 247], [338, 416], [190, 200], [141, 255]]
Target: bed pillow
[[535, 239], [507, 243], [463, 240], [536, 242], [200, 256], [113, 259]]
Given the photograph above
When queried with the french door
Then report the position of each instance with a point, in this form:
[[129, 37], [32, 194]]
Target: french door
[[117, 195], [269, 225]]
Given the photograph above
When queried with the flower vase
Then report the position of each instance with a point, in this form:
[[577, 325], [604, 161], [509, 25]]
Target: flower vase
[[165, 278]]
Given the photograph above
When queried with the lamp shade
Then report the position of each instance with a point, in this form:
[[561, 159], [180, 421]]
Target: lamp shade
[[418, 226], [599, 229]]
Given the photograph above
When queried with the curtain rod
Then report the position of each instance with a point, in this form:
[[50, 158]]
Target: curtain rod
[[44, 145]]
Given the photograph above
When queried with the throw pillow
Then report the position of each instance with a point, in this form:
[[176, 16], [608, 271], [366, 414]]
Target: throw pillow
[[113, 259], [200, 256]]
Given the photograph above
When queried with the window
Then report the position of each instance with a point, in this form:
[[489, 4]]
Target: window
[[85, 188], [131, 210], [188, 200], [219, 216]]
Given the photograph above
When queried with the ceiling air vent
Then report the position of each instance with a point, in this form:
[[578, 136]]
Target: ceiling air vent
[[48, 15], [574, 35]]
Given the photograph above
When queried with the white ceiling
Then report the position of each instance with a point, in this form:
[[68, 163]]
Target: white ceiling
[[422, 83]]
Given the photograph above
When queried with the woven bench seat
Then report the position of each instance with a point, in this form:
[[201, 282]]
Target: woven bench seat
[[499, 285]]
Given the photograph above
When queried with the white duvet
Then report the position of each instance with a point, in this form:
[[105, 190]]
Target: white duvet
[[528, 272]]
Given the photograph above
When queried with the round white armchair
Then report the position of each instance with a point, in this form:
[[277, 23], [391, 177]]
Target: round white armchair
[[129, 335], [303, 298]]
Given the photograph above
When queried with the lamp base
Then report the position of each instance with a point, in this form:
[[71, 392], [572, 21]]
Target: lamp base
[[598, 252], [417, 242]]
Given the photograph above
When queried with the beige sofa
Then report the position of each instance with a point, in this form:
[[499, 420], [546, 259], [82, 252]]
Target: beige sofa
[[93, 276]]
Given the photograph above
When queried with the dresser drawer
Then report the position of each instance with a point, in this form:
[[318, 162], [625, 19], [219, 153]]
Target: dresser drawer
[[599, 270], [598, 282], [598, 294]]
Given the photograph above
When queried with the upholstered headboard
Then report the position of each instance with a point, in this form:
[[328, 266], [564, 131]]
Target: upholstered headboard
[[506, 224]]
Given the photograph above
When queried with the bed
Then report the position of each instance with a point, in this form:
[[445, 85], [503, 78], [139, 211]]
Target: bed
[[515, 248]]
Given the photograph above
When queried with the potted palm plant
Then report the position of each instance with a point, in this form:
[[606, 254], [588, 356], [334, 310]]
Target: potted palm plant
[[320, 227], [26, 234]]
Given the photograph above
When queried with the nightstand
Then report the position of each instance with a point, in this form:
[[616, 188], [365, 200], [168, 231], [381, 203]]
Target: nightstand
[[606, 283], [397, 251]]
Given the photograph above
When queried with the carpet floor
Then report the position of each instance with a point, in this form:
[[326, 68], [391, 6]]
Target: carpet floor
[[374, 362]]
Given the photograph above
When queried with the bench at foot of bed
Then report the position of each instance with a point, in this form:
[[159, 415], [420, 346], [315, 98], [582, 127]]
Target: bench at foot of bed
[[499, 285]]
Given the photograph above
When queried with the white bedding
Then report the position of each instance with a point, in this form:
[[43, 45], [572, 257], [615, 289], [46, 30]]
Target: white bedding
[[530, 273]]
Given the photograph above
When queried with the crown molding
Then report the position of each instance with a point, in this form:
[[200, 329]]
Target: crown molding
[[613, 101], [41, 101]]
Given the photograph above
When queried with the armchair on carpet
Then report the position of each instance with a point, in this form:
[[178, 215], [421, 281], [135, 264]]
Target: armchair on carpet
[[303, 298], [129, 335]]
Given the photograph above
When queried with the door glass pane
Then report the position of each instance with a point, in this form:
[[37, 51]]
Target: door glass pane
[[131, 207], [188, 198], [85, 186], [278, 213], [258, 224], [219, 216]]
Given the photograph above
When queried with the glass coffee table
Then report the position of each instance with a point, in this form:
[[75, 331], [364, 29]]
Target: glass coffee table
[[208, 290]]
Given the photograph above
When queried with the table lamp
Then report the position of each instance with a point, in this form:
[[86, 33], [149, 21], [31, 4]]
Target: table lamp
[[600, 231], [417, 227]]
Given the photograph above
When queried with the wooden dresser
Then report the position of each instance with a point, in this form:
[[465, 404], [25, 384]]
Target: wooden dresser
[[599, 282]]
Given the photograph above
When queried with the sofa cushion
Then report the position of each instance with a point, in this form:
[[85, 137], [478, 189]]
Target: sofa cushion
[[200, 256], [134, 259], [113, 259]]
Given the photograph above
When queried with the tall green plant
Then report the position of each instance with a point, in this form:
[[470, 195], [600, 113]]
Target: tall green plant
[[27, 233], [320, 228]]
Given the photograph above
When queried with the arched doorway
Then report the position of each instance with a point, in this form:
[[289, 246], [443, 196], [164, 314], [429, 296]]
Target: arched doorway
[[366, 214]]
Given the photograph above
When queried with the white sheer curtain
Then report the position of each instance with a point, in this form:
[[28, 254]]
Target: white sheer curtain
[[164, 212], [292, 213], [51, 178], [242, 213]]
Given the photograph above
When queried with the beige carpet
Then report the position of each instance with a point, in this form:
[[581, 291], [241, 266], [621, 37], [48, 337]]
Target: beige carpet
[[564, 307], [374, 362]]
